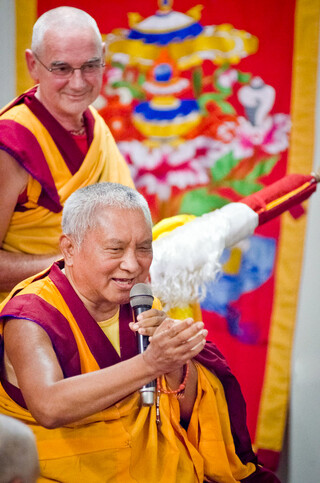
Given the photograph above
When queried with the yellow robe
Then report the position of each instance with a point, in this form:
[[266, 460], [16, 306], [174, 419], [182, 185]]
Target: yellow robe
[[124, 443], [37, 230]]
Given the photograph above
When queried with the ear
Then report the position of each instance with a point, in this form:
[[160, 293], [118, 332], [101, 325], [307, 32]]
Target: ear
[[32, 65], [67, 247]]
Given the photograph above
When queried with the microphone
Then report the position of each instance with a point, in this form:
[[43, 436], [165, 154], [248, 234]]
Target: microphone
[[141, 300]]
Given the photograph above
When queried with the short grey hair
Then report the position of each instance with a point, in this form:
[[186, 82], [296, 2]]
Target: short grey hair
[[18, 451], [60, 19], [79, 212]]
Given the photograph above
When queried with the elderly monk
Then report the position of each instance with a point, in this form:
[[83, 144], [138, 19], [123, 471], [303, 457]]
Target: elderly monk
[[52, 142], [71, 369]]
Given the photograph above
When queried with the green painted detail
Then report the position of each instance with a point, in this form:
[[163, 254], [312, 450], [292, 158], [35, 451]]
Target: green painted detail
[[223, 166], [198, 202]]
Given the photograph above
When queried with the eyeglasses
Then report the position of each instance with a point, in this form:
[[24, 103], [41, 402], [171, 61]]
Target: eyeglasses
[[63, 69]]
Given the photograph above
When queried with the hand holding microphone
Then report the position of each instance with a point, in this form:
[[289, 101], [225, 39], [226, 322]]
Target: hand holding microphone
[[174, 342]]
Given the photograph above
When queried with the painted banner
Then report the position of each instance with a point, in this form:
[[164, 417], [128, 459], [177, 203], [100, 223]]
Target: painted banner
[[210, 102]]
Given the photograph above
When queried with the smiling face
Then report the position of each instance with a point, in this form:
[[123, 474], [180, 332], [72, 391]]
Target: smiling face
[[67, 98], [112, 258]]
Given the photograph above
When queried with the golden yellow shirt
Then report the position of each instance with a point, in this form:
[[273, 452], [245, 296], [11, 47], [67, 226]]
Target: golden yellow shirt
[[111, 328]]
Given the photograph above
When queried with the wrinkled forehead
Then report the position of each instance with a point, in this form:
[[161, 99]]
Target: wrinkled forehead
[[122, 221], [70, 43]]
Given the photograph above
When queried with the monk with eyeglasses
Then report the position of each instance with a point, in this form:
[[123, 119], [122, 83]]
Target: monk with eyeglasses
[[52, 142]]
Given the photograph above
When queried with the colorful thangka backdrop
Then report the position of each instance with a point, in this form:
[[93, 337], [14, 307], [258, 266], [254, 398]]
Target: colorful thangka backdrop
[[209, 103]]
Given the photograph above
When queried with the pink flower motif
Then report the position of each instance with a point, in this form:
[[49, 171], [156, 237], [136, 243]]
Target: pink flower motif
[[271, 136], [228, 78], [162, 168]]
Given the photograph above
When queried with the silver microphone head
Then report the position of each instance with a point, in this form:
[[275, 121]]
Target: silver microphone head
[[141, 294]]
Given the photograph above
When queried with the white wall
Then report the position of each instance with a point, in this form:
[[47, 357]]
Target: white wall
[[304, 427], [304, 421], [7, 51]]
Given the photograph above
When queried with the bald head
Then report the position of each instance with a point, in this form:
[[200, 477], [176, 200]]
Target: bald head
[[18, 452], [60, 20]]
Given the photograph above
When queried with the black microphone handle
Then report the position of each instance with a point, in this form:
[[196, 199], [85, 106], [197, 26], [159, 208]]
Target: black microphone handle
[[148, 390]]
